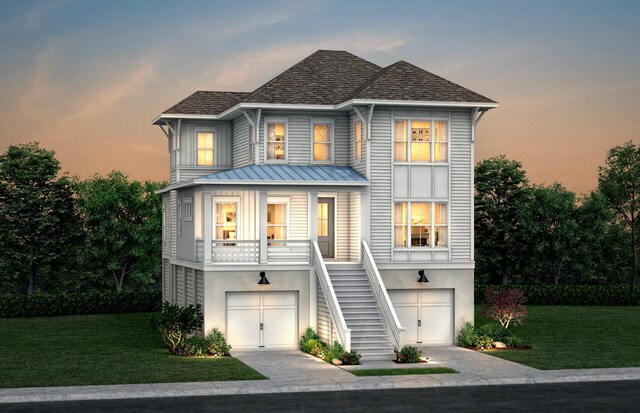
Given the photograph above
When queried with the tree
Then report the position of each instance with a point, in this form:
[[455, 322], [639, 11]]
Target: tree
[[501, 191], [123, 226], [38, 218], [619, 182], [506, 305]]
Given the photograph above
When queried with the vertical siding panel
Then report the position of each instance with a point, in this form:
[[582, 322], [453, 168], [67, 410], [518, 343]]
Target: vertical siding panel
[[354, 221], [461, 190], [341, 140], [380, 186], [180, 287], [200, 288], [241, 140], [343, 226], [190, 298]]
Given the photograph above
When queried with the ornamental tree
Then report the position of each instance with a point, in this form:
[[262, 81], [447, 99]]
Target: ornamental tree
[[506, 305]]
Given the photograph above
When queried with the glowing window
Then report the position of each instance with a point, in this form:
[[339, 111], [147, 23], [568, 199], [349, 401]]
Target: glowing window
[[440, 139], [357, 144], [420, 141], [205, 148], [401, 224], [277, 221], [400, 141], [323, 219], [226, 221], [322, 142], [276, 141]]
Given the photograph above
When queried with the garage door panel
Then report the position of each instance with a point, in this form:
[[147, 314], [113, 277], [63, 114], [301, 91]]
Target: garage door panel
[[243, 327], [280, 327], [243, 300], [436, 324], [279, 300], [435, 297], [408, 317], [403, 297]]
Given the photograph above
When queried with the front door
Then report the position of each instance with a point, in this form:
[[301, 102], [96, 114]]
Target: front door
[[326, 227]]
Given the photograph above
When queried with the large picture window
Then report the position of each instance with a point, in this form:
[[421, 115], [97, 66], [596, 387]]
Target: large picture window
[[205, 148], [277, 220], [226, 221], [420, 141], [420, 224], [276, 141], [322, 141]]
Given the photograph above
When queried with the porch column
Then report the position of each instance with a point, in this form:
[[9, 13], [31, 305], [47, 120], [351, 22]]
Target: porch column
[[262, 222], [313, 236], [207, 215], [365, 216]]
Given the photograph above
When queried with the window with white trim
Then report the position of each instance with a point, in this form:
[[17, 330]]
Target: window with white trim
[[276, 141], [420, 141], [357, 140], [322, 141], [420, 225], [205, 151], [187, 209], [226, 221], [277, 219]]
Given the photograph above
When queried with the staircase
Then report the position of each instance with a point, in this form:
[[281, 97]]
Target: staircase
[[361, 312]]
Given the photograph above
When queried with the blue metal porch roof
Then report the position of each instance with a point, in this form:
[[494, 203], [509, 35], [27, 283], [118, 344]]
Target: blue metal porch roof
[[289, 173]]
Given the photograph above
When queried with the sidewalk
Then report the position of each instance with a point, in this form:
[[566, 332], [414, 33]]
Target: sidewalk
[[294, 371]]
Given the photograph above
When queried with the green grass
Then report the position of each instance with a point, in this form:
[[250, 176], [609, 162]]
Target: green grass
[[100, 349], [564, 337], [402, 372]]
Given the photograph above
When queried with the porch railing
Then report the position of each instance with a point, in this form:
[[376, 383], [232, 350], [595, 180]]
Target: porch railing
[[394, 328], [344, 332], [287, 250], [235, 250], [199, 250]]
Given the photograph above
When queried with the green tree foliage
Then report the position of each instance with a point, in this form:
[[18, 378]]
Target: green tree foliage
[[619, 182], [501, 192], [123, 225], [38, 220]]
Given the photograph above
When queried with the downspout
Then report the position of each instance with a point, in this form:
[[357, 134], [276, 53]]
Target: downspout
[[368, 137]]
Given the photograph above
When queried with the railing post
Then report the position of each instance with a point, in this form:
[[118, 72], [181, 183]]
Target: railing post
[[208, 226], [262, 225]]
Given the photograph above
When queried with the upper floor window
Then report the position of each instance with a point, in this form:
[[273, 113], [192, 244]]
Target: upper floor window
[[420, 224], [276, 141], [205, 148], [420, 141], [357, 141], [226, 221], [322, 142], [277, 220]]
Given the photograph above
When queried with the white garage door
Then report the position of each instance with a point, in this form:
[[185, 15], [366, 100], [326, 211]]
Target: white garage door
[[426, 315], [262, 319]]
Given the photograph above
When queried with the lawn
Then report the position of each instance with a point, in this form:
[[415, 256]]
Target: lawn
[[100, 349], [402, 372], [564, 337]]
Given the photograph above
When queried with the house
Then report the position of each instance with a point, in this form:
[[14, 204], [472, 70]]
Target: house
[[337, 196]]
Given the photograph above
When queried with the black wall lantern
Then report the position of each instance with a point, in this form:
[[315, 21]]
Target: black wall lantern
[[263, 279], [423, 278]]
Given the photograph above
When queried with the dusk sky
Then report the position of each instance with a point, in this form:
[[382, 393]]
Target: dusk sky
[[86, 78]]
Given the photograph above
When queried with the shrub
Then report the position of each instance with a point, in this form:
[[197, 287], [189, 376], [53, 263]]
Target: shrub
[[175, 323], [334, 351], [409, 354], [484, 341], [513, 341], [467, 337], [94, 302], [217, 344], [494, 331], [309, 334], [350, 358], [194, 346], [506, 305]]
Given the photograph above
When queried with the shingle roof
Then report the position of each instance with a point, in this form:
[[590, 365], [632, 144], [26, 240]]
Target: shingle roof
[[207, 103], [404, 81], [311, 174], [326, 77]]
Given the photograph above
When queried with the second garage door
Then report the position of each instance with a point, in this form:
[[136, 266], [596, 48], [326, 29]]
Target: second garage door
[[262, 319], [426, 315]]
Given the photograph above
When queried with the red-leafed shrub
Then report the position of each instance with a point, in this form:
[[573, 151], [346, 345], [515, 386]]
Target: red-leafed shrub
[[506, 305]]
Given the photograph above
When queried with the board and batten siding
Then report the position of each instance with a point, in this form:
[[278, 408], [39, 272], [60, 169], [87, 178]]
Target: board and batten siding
[[246, 215], [380, 185], [241, 143], [461, 186], [300, 138]]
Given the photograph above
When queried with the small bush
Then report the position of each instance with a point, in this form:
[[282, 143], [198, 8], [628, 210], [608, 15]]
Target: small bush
[[217, 344], [309, 334], [494, 331], [467, 337], [409, 354], [175, 323], [513, 341], [194, 346], [334, 351], [484, 341], [350, 358]]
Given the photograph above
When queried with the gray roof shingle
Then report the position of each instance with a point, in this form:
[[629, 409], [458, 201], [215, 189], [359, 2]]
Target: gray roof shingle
[[207, 103]]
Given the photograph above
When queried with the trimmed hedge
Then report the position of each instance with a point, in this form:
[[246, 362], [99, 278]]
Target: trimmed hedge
[[544, 294], [95, 302]]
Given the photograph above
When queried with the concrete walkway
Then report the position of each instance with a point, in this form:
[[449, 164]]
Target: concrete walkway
[[294, 371]]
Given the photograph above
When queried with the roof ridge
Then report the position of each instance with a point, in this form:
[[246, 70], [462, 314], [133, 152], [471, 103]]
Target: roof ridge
[[373, 79]]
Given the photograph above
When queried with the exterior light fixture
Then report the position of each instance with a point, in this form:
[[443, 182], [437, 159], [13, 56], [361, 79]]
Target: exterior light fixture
[[263, 279], [423, 278]]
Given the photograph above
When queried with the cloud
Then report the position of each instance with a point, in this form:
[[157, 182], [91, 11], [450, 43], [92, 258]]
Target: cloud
[[34, 17]]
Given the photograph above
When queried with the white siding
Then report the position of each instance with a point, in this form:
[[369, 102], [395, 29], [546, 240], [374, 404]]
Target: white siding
[[361, 165], [354, 226], [247, 212], [166, 230], [380, 185], [241, 143], [461, 186], [166, 281], [180, 285], [326, 330], [343, 226], [173, 222], [199, 275], [298, 223]]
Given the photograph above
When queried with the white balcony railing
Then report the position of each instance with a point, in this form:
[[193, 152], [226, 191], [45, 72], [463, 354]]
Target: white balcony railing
[[248, 251], [287, 250], [235, 251]]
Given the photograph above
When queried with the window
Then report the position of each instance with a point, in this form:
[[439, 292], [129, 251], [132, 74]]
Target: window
[[322, 137], [187, 209], [427, 143], [277, 220], [323, 219], [205, 148], [420, 224], [357, 144], [276, 141], [226, 221]]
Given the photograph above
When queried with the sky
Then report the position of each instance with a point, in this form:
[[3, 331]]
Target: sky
[[86, 78]]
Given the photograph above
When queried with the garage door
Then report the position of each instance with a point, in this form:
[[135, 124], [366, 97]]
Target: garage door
[[426, 315], [262, 319]]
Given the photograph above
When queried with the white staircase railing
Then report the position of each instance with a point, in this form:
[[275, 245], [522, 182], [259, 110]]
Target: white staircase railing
[[392, 322], [344, 333]]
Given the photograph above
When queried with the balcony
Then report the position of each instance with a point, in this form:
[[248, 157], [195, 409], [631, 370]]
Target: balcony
[[249, 251]]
